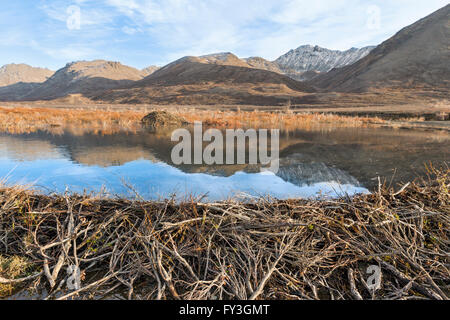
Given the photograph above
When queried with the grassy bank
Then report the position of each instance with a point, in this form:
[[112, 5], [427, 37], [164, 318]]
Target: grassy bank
[[296, 249], [56, 120]]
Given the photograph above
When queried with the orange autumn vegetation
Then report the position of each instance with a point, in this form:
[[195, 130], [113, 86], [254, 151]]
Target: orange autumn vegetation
[[277, 120], [55, 120], [25, 120]]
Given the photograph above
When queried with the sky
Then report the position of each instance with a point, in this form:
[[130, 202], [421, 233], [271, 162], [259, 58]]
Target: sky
[[140, 33]]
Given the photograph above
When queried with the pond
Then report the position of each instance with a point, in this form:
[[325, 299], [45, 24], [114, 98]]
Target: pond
[[314, 162]]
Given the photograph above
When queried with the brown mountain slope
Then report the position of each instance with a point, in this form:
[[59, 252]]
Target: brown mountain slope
[[85, 77], [223, 59], [302, 76], [149, 70], [263, 64], [229, 59], [16, 92], [14, 73], [190, 71], [16, 80], [200, 80], [416, 57]]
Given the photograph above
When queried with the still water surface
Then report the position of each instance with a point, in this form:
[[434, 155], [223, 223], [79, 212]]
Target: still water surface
[[319, 162]]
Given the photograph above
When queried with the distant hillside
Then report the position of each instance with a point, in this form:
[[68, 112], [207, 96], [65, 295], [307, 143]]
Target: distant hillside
[[85, 77], [224, 59], [302, 64], [17, 80], [191, 70], [93, 78], [229, 59], [16, 92], [306, 62], [416, 57], [14, 73], [213, 79], [149, 70], [263, 64], [314, 58]]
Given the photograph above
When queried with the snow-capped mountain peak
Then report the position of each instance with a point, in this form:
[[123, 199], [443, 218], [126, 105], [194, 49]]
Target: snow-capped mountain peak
[[315, 58]]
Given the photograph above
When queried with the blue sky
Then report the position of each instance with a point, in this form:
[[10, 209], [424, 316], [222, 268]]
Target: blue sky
[[140, 33]]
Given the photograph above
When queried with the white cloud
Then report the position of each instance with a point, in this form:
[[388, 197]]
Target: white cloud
[[303, 11], [266, 28], [73, 52], [169, 29], [90, 16], [130, 30]]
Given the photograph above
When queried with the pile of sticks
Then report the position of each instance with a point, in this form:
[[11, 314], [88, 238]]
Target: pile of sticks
[[386, 245]]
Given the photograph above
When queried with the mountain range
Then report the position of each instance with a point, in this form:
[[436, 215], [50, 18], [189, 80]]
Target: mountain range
[[299, 63], [17, 80], [218, 78], [95, 79], [14, 73], [416, 57]]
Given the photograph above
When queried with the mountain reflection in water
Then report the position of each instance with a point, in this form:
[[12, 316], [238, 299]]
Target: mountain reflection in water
[[324, 162]]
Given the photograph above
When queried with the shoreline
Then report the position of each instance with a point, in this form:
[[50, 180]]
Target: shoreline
[[111, 119], [288, 250]]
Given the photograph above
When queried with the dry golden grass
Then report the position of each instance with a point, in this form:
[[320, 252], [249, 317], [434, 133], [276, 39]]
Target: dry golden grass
[[25, 120], [12, 267], [286, 120], [20, 120]]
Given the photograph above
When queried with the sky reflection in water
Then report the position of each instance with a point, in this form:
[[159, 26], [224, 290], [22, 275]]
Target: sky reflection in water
[[325, 162], [159, 180]]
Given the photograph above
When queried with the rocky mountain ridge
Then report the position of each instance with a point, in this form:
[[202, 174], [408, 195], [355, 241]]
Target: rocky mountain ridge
[[315, 58], [417, 57], [15, 73]]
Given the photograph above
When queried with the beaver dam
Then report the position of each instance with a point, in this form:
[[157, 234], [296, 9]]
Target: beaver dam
[[292, 249]]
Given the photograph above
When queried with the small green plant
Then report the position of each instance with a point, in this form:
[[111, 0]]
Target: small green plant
[[13, 268]]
